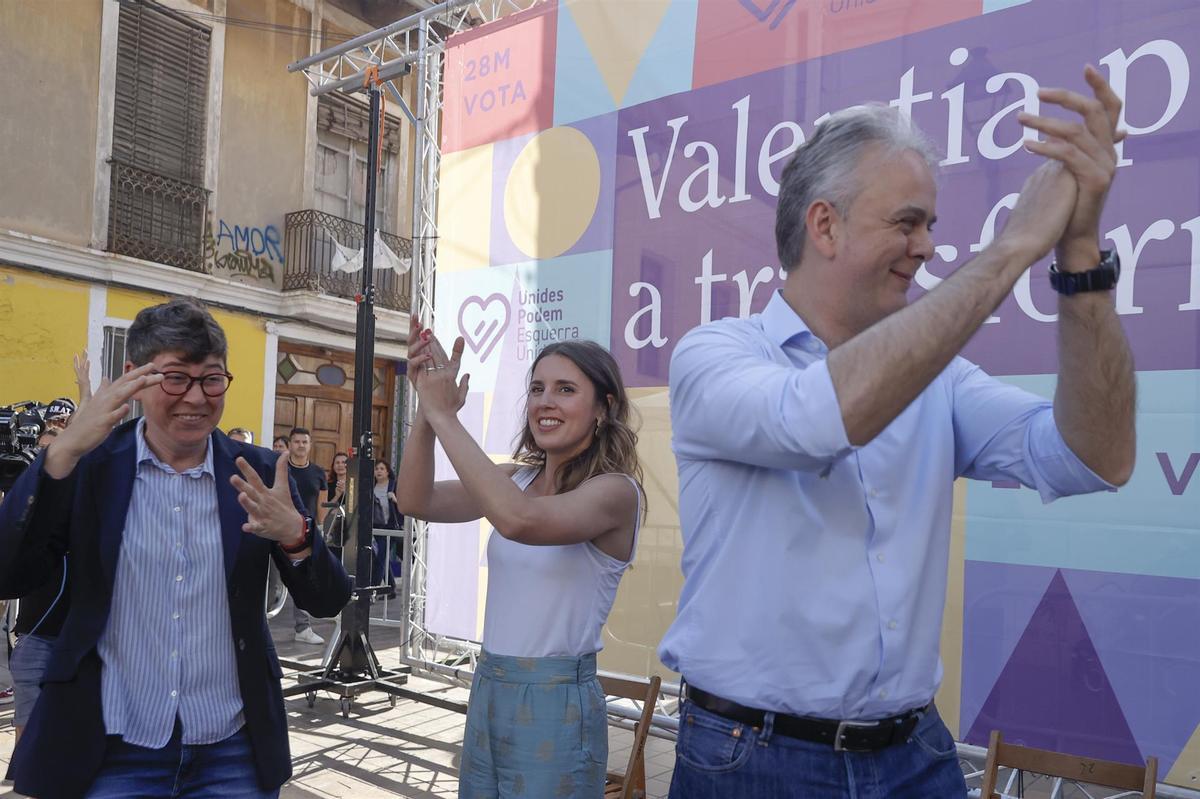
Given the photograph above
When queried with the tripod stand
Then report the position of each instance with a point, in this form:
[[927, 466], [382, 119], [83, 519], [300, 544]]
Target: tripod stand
[[351, 666]]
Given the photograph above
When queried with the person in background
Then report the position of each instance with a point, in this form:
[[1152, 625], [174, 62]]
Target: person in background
[[384, 516], [310, 483], [241, 435], [59, 413], [40, 612], [336, 491], [40, 617], [334, 524], [280, 444]]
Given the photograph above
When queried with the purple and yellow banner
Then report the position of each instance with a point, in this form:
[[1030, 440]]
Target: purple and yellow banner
[[610, 171]]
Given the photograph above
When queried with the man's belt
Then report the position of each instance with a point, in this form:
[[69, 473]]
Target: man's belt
[[843, 736]]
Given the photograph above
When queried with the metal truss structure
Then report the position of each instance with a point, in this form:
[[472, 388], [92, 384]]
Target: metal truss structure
[[415, 44]]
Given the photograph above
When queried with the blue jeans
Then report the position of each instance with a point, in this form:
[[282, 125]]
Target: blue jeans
[[224, 770], [379, 564], [716, 758], [27, 663]]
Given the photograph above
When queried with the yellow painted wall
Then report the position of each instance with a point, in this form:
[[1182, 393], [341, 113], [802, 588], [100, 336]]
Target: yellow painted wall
[[43, 323], [247, 339], [247, 343], [262, 145], [48, 95]]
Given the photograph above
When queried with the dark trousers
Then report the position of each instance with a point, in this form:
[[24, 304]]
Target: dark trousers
[[222, 770]]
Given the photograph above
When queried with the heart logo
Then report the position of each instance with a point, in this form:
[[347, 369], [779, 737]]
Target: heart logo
[[482, 322], [762, 13]]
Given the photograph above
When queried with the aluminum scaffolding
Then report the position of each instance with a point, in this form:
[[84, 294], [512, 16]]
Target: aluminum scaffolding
[[414, 44]]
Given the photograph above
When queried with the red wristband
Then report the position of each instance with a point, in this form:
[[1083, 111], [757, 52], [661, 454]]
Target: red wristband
[[305, 538]]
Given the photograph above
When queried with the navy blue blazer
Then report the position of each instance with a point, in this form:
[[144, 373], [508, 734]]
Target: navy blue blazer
[[84, 514]]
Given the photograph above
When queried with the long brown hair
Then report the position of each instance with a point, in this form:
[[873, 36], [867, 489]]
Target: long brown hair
[[614, 443]]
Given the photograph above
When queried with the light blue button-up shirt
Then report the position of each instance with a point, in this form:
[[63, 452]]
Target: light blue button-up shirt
[[167, 651], [815, 571]]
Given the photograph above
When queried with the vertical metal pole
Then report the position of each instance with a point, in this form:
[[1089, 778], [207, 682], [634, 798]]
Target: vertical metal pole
[[356, 622], [416, 308]]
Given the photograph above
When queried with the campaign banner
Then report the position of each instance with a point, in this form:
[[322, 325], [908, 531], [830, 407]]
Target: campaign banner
[[611, 170]]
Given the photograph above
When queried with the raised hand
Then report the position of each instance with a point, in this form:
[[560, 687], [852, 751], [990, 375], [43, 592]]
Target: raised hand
[[1051, 211], [83, 377], [1043, 209], [418, 345], [435, 377], [270, 510], [1086, 148], [92, 423]]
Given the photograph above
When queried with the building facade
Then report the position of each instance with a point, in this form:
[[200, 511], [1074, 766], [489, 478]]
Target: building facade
[[159, 149]]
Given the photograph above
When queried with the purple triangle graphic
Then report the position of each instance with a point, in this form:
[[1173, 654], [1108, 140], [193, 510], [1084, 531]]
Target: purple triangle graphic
[[1053, 692], [999, 599], [1141, 627]]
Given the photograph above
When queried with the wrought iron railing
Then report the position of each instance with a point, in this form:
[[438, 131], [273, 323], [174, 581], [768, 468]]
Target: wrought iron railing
[[308, 240], [156, 218]]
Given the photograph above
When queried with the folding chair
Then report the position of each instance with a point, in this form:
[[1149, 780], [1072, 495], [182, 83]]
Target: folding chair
[[632, 783], [1086, 770]]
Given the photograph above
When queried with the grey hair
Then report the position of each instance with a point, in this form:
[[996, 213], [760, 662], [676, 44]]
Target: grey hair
[[182, 325], [824, 168]]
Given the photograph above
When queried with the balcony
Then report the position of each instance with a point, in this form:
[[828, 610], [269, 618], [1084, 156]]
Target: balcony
[[308, 242], [156, 218]]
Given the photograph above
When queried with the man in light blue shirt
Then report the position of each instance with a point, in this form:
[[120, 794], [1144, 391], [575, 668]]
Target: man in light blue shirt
[[817, 445]]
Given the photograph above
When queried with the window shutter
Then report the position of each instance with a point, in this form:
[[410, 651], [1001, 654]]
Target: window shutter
[[161, 92], [346, 117], [158, 200]]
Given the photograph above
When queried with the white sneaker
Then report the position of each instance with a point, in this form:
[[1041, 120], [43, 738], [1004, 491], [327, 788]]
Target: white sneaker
[[309, 636]]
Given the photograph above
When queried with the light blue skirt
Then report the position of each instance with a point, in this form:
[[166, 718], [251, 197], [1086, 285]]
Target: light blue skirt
[[536, 728]]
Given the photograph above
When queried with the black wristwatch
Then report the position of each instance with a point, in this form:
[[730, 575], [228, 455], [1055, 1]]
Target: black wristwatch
[[1102, 278], [305, 543]]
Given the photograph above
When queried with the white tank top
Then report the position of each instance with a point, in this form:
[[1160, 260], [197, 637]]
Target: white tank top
[[549, 601]]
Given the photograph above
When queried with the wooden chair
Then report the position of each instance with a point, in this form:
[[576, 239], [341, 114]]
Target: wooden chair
[[1086, 770], [632, 783]]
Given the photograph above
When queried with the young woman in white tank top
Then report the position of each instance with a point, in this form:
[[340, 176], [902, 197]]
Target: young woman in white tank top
[[566, 515]]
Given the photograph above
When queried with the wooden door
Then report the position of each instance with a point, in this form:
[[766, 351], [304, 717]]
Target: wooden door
[[314, 389], [328, 420]]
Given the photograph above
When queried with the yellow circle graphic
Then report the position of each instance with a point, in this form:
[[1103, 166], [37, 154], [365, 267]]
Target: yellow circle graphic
[[552, 192]]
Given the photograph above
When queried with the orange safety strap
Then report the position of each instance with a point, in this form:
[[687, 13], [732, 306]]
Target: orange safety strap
[[371, 78]]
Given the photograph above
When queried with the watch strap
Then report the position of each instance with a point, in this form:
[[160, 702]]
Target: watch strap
[[1102, 278], [305, 542]]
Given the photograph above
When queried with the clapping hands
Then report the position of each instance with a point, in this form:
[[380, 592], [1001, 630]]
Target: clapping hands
[[434, 375]]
